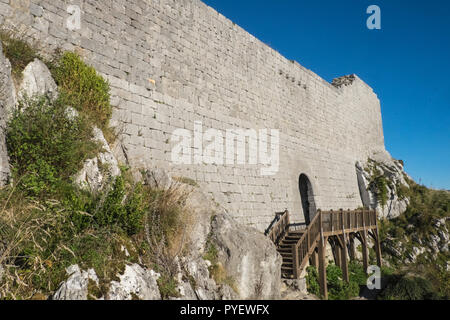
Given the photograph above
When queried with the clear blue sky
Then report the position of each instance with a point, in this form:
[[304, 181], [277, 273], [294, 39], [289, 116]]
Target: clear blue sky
[[407, 63]]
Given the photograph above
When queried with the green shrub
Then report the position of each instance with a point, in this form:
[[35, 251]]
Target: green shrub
[[312, 281], [46, 148], [82, 88], [379, 184], [336, 285], [167, 287], [406, 287], [338, 289], [125, 210]]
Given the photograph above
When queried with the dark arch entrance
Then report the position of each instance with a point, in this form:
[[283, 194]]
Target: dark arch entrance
[[307, 196]]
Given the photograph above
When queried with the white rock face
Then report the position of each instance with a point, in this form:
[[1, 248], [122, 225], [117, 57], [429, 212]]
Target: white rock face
[[91, 177], [248, 257], [76, 286], [205, 286], [37, 81], [392, 171], [186, 291], [135, 282], [202, 209]]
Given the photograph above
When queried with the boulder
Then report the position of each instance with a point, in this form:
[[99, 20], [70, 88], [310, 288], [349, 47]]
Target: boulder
[[202, 209], [77, 285], [7, 103], [136, 282], [97, 171], [296, 290], [37, 81], [205, 287], [249, 258]]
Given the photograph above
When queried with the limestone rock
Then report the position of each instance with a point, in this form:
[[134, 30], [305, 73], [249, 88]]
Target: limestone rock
[[76, 286], [136, 282], [202, 209], [296, 290], [392, 171], [7, 103], [157, 179], [37, 81], [248, 257], [98, 170], [186, 291], [205, 287]]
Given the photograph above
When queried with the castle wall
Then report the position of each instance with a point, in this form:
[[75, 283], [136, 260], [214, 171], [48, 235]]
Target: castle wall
[[173, 62]]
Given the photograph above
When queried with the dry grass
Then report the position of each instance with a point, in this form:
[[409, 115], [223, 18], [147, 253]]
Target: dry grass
[[19, 48]]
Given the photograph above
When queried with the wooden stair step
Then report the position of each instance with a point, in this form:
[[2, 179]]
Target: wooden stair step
[[296, 233], [284, 248]]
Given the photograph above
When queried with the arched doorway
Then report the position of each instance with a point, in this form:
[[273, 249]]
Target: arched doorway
[[307, 196]]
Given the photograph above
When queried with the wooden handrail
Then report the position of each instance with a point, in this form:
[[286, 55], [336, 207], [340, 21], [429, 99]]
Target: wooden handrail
[[279, 227], [327, 223]]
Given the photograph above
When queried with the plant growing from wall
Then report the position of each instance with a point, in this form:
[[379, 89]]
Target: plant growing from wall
[[82, 88], [379, 184]]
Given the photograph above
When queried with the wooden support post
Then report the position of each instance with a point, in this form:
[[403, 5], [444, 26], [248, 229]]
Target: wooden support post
[[315, 259], [322, 262], [377, 241], [377, 247], [344, 261], [336, 251], [323, 270], [343, 238], [365, 255], [295, 263], [352, 247]]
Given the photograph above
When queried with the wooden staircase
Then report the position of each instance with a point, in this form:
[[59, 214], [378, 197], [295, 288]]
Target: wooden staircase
[[285, 250], [339, 228]]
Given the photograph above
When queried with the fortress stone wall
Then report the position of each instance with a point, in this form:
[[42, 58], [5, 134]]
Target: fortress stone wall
[[171, 63]]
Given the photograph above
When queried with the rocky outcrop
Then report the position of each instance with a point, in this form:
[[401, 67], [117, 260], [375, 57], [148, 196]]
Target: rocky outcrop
[[76, 287], [296, 290], [97, 171], [37, 81], [429, 246], [248, 257], [390, 173], [135, 283], [7, 102]]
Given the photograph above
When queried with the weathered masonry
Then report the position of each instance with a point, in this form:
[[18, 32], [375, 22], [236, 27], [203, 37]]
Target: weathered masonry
[[174, 62]]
